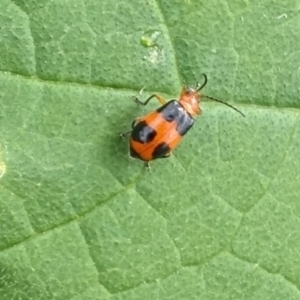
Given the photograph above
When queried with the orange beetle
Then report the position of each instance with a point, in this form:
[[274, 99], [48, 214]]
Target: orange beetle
[[156, 134]]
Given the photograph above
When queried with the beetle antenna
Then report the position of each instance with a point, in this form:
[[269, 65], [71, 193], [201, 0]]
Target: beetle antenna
[[199, 88], [217, 100]]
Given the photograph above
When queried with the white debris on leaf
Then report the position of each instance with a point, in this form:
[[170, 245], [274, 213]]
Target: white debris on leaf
[[282, 16], [2, 169]]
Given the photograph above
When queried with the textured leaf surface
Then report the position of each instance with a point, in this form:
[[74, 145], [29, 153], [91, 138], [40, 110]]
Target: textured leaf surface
[[79, 220]]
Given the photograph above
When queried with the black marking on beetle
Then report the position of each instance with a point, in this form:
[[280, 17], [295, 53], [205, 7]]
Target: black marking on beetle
[[184, 123], [161, 150], [173, 111], [170, 111], [143, 133], [166, 156]]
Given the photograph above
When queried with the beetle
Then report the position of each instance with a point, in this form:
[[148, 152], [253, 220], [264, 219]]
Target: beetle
[[159, 132]]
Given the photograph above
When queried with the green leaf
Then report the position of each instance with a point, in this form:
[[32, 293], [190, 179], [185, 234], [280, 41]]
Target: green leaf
[[81, 220]]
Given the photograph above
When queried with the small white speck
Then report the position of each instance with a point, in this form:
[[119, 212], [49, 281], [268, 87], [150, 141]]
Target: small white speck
[[141, 91], [282, 16], [2, 169], [155, 55]]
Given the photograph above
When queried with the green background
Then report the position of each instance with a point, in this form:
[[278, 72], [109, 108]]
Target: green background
[[79, 219]]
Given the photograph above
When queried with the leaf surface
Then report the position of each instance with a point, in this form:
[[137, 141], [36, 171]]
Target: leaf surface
[[80, 220]]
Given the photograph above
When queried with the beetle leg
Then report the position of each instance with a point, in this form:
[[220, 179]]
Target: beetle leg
[[122, 135], [147, 165], [159, 98], [134, 122]]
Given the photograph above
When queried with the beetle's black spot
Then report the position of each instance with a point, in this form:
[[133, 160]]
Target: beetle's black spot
[[143, 133], [170, 111], [166, 156], [173, 111], [184, 123], [133, 153], [161, 150]]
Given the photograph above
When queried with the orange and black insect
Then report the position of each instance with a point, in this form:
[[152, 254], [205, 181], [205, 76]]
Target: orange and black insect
[[156, 134]]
